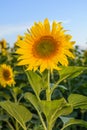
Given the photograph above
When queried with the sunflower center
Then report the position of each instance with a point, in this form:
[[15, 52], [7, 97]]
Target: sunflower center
[[45, 47], [6, 75]]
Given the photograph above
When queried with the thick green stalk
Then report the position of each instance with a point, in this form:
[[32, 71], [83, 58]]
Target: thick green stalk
[[48, 91], [48, 98], [49, 126]]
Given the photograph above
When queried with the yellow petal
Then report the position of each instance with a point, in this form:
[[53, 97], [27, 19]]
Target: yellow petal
[[46, 26]]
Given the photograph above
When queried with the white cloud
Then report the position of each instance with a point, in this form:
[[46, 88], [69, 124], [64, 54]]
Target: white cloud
[[66, 21], [11, 29], [10, 32]]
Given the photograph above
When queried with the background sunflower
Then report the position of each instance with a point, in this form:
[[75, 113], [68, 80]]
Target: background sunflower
[[6, 75]]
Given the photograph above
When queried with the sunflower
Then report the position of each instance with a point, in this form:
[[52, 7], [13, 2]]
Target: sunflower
[[19, 37], [6, 75], [45, 47], [3, 43], [85, 53], [3, 47]]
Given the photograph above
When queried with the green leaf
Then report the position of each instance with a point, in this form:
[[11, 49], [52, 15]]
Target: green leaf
[[70, 72], [49, 107], [65, 119], [78, 101], [19, 112], [65, 110], [38, 127], [36, 82], [17, 90], [4, 117], [53, 109], [33, 99], [4, 95], [62, 87], [73, 122], [35, 102]]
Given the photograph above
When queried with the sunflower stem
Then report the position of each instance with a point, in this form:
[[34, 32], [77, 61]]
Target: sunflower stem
[[48, 91], [43, 123], [14, 95], [56, 84], [49, 127]]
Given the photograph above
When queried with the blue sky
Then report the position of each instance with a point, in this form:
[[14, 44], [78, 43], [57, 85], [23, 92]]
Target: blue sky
[[18, 15]]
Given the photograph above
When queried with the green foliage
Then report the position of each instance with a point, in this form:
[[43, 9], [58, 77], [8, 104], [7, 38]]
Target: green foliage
[[33, 99], [36, 82], [74, 122], [78, 101], [19, 112], [68, 92], [70, 72]]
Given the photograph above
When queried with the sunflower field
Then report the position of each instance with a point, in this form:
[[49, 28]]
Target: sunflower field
[[43, 81]]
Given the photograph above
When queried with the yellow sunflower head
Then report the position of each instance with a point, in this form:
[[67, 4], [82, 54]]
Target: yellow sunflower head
[[45, 47], [3, 45], [85, 53], [6, 75], [19, 37]]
